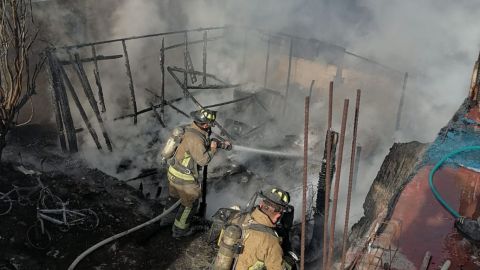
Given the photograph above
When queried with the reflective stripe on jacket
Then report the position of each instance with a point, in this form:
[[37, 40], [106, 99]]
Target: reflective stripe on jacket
[[193, 151]]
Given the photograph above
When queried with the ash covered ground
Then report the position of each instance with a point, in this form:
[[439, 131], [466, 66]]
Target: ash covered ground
[[118, 206]]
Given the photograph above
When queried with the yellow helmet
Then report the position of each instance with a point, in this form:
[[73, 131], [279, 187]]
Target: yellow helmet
[[277, 196], [204, 116]]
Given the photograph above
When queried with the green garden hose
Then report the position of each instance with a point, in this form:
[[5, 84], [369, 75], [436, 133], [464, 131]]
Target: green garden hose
[[437, 166]]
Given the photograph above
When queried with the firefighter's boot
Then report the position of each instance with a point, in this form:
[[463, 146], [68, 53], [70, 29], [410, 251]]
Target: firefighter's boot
[[170, 217], [181, 226]]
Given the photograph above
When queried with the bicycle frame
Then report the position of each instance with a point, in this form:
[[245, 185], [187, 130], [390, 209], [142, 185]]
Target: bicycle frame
[[43, 214], [24, 194]]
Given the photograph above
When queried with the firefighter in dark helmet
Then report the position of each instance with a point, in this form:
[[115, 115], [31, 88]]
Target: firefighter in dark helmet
[[261, 246], [195, 150]]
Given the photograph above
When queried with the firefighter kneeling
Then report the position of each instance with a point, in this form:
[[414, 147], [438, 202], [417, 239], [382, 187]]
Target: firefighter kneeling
[[251, 238]]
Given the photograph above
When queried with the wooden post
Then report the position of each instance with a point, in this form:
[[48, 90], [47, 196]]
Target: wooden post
[[91, 98], [77, 102], [62, 99], [54, 85], [266, 63], [129, 74], [98, 82], [288, 75], [305, 184]]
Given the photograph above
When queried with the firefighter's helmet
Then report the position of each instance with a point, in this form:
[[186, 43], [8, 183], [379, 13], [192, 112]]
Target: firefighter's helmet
[[204, 116], [277, 196]]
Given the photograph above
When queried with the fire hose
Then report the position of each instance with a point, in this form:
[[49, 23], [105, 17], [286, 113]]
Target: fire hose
[[117, 236], [469, 227]]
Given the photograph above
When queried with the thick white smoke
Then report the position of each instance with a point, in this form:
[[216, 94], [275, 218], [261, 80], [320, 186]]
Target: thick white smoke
[[436, 42]]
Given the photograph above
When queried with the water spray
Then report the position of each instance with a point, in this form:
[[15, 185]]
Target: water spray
[[241, 148]]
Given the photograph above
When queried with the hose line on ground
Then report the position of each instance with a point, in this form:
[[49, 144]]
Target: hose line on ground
[[436, 167], [110, 239]]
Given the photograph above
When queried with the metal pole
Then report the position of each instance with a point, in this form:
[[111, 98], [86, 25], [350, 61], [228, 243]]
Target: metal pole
[[266, 64], [129, 74], [350, 178], [204, 81], [330, 105], [328, 176], [96, 73], [357, 163], [305, 184], [185, 59], [288, 75], [162, 68], [402, 98], [331, 241]]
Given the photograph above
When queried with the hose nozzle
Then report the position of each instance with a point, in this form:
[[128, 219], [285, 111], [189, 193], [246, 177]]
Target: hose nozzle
[[469, 227]]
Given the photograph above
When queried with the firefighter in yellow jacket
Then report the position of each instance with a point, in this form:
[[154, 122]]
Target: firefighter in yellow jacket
[[195, 150], [261, 245]]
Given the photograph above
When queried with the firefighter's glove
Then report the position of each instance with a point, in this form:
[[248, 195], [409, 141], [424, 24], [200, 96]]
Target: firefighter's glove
[[225, 145], [290, 261]]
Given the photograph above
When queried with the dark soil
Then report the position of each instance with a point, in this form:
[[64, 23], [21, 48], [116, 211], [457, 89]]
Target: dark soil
[[118, 206]]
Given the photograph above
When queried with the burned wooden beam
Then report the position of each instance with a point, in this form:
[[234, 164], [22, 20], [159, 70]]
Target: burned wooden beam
[[229, 102], [177, 69], [144, 36], [204, 81], [290, 55], [215, 86], [157, 115], [188, 94], [266, 64], [93, 59], [60, 95], [82, 112], [130, 78], [191, 42], [54, 85], [98, 82], [166, 102], [89, 94]]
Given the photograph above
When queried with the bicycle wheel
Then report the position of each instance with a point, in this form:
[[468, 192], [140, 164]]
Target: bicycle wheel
[[50, 201], [5, 204], [38, 239], [23, 201], [90, 220]]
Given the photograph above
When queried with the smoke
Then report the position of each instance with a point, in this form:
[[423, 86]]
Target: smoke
[[436, 42]]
